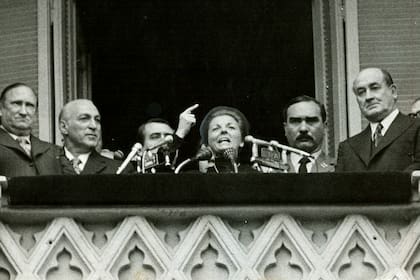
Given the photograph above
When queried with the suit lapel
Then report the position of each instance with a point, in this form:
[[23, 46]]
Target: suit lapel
[[7, 141], [65, 165], [95, 164], [322, 164], [361, 145], [38, 147], [398, 126]]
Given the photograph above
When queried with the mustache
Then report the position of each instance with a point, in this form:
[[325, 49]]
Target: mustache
[[304, 137], [25, 119]]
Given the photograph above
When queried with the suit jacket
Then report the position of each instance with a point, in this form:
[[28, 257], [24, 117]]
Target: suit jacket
[[322, 164], [96, 164], [399, 149], [15, 162]]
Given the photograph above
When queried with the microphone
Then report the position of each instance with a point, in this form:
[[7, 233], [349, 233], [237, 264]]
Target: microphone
[[167, 140], [205, 153], [287, 148], [137, 147], [276, 144], [230, 154], [253, 140]]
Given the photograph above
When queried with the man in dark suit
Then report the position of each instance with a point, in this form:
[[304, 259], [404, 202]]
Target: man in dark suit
[[21, 153], [153, 132], [305, 122], [80, 125], [391, 141]]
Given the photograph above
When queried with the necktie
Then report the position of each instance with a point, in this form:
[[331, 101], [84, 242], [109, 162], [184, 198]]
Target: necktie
[[25, 144], [302, 165], [377, 136], [76, 165]]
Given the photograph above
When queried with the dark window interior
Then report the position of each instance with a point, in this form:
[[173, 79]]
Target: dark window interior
[[155, 58]]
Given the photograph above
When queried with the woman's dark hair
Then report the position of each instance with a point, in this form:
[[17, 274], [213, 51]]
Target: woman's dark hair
[[222, 111]]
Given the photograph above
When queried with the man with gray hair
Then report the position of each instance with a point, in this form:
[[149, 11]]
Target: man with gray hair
[[391, 141], [80, 125]]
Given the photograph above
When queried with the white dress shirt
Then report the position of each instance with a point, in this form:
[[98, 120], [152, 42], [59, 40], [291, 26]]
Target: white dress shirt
[[82, 157], [295, 158], [386, 123]]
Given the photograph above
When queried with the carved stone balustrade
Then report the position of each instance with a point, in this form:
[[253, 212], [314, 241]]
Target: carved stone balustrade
[[256, 227]]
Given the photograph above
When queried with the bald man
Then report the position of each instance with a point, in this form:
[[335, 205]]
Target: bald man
[[391, 141], [21, 153], [80, 125]]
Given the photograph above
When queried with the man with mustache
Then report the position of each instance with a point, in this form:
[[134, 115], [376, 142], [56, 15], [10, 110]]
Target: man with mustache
[[391, 141], [80, 125], [21, 153], [304, 124]]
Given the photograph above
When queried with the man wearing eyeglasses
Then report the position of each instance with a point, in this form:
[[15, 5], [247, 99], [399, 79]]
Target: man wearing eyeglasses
[[415, 108], [391, 141]]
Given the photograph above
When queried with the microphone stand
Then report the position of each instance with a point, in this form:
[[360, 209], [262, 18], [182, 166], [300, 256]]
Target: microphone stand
[[181, 165], [143, 161], [168, 139], [235, 167], [204, 154], [254, 156], [293, 150], [133, 153], [138, 163]]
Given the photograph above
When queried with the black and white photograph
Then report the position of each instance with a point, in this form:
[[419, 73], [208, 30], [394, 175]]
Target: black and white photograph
[[210, 139]]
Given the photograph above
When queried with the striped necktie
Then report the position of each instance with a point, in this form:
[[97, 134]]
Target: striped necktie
[[76, 165], [25, 144], [377, 136]]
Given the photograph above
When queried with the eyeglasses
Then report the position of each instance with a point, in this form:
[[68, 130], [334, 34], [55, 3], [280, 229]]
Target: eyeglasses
[[414, 115]]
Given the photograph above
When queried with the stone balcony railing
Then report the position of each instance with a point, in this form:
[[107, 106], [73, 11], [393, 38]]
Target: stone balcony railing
[[191, 226]]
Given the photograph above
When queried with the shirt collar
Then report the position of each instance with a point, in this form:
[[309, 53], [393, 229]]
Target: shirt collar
[[386, 123], [82, 157], [14, 136], [294, 158]]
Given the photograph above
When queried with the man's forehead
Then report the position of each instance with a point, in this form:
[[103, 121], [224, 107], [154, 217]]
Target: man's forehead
[[304, 110], [79, 109], [19, 92], [156, 127], [369, 76], [88, 112]]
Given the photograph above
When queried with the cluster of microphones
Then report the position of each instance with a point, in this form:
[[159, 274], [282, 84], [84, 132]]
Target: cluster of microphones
[[167, 153]]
